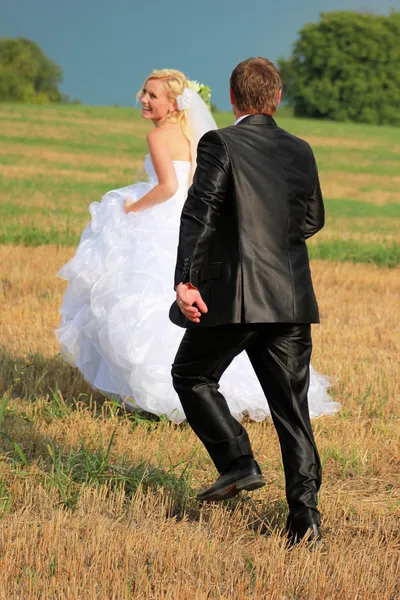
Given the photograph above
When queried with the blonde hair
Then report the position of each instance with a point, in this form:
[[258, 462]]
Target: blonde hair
[[174, 83]]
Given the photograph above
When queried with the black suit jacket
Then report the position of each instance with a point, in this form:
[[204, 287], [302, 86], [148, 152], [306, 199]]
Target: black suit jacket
[[254, 201]]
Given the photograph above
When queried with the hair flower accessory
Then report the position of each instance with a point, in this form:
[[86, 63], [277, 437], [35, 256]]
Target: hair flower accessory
[[195, 85], [185, 99]]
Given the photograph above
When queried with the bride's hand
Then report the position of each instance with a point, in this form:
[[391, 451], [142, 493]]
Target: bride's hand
[[128, 206]]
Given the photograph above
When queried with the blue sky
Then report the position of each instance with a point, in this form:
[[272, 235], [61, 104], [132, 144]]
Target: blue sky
[[107, 47]]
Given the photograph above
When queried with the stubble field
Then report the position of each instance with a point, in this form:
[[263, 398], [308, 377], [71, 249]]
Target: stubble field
[[98, 504]]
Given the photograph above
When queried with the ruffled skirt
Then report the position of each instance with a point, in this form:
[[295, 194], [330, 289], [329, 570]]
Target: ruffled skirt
[[114, 316]]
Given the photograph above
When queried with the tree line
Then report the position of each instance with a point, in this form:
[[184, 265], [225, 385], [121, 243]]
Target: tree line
[[343, 68], [346, 68], [27, 75]]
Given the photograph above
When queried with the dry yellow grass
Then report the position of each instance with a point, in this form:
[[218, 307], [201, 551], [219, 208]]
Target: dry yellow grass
[[91, 530], [344, 229], [71, 131], [329, 142], [51, 122], [27, 172], [115, 544], [337, 189], [377, 189], [73, 159], [94, 553]]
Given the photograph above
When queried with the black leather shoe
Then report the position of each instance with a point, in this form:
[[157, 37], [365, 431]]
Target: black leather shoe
[[309, 532], [233, 481]]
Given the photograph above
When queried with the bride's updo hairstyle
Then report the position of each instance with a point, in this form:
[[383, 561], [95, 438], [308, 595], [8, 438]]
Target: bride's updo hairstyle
[[175, 83]]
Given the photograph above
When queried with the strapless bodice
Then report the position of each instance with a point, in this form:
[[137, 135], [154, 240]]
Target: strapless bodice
[[182, 168]]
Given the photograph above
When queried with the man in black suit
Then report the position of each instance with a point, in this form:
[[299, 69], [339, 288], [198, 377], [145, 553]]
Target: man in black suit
[[243, 282]]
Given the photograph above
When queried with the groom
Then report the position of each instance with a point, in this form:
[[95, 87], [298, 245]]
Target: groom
[[243, 282]]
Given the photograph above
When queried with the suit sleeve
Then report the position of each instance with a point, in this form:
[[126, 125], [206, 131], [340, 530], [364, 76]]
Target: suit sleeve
[[315, 218], [203, 205]]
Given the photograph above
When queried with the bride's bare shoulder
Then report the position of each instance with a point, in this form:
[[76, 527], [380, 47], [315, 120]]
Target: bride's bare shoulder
[[167, 131], [156, 135], [172, 137]]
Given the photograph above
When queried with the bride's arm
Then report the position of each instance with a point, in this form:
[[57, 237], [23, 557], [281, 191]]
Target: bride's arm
[[166, 174]]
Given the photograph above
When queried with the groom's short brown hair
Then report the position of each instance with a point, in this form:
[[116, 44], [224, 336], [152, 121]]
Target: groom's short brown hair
[[255, 83]]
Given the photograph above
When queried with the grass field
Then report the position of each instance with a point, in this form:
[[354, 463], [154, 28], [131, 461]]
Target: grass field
[[56, 160], [98, 504]]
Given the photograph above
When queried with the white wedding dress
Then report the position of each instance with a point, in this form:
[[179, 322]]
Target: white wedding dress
[[114, 317]]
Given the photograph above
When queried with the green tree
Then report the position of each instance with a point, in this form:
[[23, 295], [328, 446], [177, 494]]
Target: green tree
[[26, 74], [346, 67]]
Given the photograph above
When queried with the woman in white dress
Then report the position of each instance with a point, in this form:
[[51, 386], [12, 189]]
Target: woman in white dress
[[114, 317]]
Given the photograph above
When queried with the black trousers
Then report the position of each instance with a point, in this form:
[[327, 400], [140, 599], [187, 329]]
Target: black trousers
[[280, 354]]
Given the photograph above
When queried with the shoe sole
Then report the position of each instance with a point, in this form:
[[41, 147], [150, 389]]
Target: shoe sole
[[249, 483]]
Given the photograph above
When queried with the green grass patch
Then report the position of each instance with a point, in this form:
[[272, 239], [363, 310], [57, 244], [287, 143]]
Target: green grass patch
[[17, 159], [345, 131], [383, 255], [30, 236], [355, 209], [59, 188], [27, 111], [101, 144], [372, 168], [375, 153]]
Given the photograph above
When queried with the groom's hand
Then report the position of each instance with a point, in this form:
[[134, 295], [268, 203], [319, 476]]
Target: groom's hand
[[186, 297]]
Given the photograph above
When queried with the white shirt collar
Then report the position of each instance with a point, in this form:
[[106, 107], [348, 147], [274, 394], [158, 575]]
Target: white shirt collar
[[240, 118]]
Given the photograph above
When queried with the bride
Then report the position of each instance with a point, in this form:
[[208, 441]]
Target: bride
[[114, 316]]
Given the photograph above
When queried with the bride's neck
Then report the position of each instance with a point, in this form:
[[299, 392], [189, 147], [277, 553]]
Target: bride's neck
[[159, 122]]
